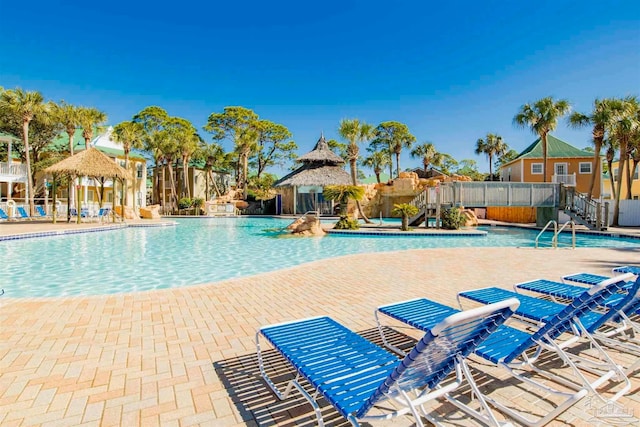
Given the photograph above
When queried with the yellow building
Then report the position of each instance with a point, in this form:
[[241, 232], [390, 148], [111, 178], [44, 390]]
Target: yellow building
[[606, 183], [565, 164]]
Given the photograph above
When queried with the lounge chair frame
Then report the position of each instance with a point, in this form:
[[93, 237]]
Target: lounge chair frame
[[474, 325], [601, 365]]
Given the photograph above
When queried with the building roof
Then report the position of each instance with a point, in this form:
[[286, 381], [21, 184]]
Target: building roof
[[556, 148], [315, 174], [371, 179], [101, 140], [321, 153]]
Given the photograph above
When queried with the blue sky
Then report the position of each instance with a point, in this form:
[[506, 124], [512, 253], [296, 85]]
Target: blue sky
[[452, 72]]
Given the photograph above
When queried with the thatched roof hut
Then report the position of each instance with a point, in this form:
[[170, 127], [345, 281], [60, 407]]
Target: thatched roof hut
[[92, 163], [320, 167], [301, 190]]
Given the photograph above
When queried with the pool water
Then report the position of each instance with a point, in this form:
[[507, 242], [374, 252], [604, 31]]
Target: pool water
[[202, 250]]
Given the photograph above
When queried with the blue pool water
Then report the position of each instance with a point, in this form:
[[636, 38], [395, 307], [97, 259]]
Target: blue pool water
[[201, 250]]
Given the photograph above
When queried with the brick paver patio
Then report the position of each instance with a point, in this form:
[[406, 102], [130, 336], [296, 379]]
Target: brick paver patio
[[187, 356]]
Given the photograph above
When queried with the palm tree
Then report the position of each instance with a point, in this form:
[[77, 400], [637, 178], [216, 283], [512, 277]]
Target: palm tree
[[342, 194], [355, 132], [23, 106], [90, 117], [214, 156], [603, 114], [492, 145], [67, 115], [153, 120], [542, 117], [377, 160], [394, 136], [429, 155], [622, 130], [189, 141], [241, 126], [406, 211], [130, 135]]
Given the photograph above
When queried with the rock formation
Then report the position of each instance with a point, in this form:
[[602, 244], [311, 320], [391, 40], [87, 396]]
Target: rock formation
[[307, 225]]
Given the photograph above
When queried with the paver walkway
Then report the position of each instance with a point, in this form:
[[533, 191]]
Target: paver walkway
[[187, 356]]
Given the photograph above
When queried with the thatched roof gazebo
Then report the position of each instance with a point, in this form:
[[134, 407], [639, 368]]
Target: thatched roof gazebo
[[301, 190], [91, 163]]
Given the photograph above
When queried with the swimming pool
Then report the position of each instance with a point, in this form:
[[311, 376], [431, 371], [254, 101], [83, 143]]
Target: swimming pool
[[202, 250]]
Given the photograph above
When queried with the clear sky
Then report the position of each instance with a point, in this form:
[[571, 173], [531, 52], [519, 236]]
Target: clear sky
[[452, 71]]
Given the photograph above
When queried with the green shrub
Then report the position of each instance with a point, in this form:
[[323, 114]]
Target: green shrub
[[184, 203], [452, 219], [347, 223]]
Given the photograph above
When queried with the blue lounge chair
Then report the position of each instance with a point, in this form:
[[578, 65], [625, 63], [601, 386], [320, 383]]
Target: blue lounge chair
[[355, 375], [41, 213], [621, 332], [22, 213], [580, 321], [594, 279], [517, 351], [3, 215], [103, 214]]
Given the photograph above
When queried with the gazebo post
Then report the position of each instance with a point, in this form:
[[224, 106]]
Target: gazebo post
[[124, 190], [53, 208], [79, 216]]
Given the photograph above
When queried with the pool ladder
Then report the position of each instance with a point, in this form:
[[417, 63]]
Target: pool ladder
[[557, 231]]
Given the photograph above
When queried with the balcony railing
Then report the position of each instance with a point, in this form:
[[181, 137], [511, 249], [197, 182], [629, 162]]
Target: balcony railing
[[567, 180], [13, 172]]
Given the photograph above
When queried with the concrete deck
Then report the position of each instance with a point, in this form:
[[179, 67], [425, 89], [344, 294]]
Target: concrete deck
[[186, 356]]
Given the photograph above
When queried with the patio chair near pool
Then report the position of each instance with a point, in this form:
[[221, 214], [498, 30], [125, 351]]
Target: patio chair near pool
[[615, 329], [574, 321], [594, 279], [22, 213], [41, 213], [362, 380], [3, 215], [517, 351]]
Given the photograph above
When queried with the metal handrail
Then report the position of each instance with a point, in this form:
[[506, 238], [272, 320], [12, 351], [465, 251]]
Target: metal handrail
[[555, 231], [573, 233]]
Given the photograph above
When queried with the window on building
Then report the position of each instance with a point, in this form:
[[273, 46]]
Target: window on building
[[536, 168], [615, 174], [139, 170], [585, 167]]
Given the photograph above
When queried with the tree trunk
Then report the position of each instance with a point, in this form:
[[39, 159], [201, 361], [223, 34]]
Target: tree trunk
[[352, 164], [25, 138], [490, 167], [621, 168], [405, 222], [378, 177], [164, 190], [629, 178], [71, 195], [185, 177], [215, 184], [598, 135], [125, 184], [397, 165], [245, 171], [544, 157], [611, 181], [172, 185]]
